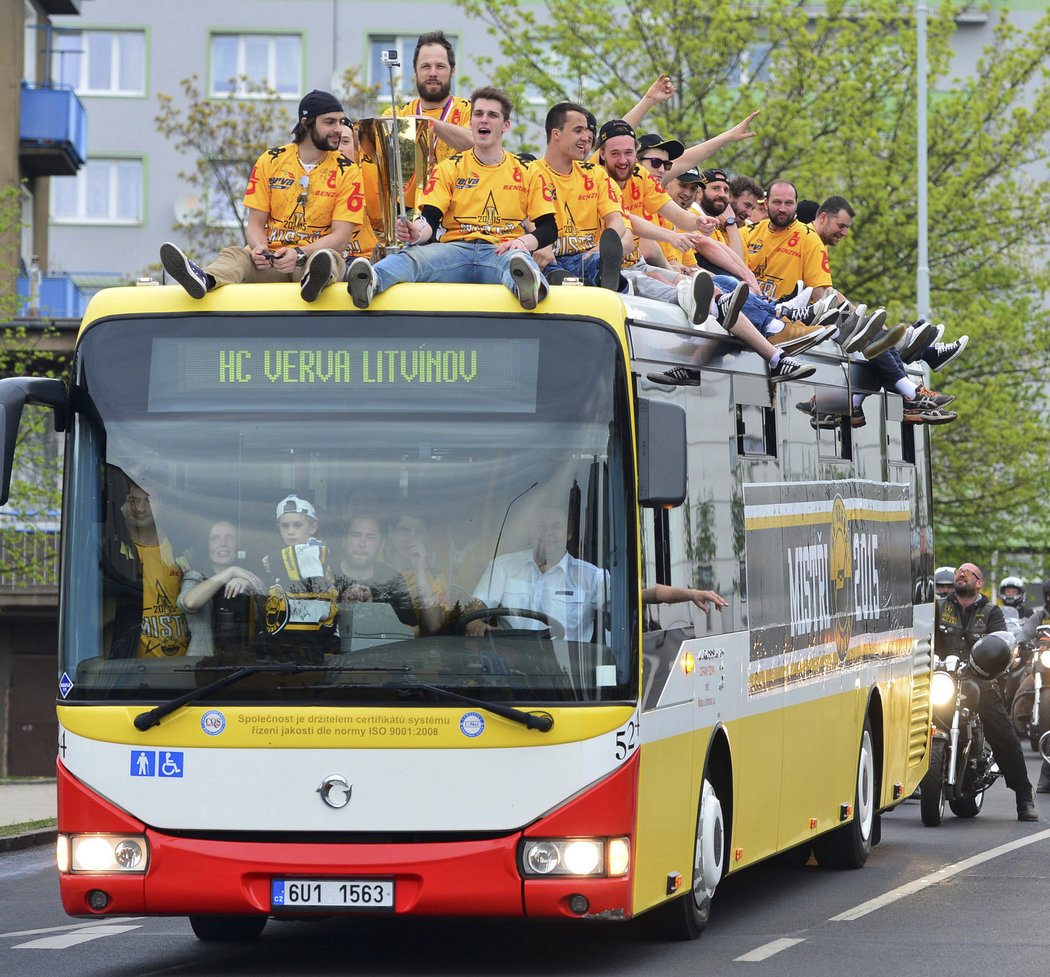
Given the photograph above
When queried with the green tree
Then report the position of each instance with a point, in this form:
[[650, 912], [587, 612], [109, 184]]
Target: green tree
[[222, 138], [837, 93], [27, 523]]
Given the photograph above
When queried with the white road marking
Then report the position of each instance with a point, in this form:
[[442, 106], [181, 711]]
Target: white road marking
[[69, 926], [767, 950], [933, 878], [72, 939]]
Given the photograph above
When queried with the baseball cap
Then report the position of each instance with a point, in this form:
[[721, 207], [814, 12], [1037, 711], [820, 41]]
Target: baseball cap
[[690, 176], [317, 103], [713, 175], [653, 140], [612, 129], [292, 503], [974, 569]]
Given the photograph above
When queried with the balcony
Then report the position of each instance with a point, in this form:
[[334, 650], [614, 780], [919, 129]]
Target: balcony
[[52, 132], [59, 298]]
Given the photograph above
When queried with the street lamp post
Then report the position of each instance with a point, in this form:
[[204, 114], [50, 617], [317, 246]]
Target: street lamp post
[[922, 283]]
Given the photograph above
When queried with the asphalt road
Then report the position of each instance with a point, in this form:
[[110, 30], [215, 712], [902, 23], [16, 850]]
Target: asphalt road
[[968, 897]]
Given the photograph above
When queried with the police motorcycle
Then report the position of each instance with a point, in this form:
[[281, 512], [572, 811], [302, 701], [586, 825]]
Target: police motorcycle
[[1030, 708], [961, 763]]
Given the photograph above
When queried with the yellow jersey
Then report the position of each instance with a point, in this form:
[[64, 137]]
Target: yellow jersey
[[164, 633], [583, 197], [301, 205], [482, 202], [671, 253], [779, 257]]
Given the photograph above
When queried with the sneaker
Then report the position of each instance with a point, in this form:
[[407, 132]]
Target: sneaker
[[925, 410], [885, 340], [789, 369], [940, 333], [527, 280], [921, 335], [361, 282], [865, 333], [824, 420], [316, 275], [677, 376], [702, 293], [192, 277], [728, 306], [809, 336], [939, 355], [787, 310], [610, 252], [556, 276], [938, 400]]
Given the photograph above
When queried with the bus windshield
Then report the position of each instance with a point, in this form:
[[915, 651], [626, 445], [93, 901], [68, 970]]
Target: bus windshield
[[406, 505]]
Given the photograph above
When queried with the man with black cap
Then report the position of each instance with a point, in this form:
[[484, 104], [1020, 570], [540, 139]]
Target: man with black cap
[[304, 204], [961, 620]]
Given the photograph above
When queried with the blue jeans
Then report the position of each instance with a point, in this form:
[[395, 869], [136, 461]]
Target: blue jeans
[[586, 266], [759, 312], [462, 262]]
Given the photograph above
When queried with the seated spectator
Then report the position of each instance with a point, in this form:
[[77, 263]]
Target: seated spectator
[[478, 199], [405, 549], [304, 202]]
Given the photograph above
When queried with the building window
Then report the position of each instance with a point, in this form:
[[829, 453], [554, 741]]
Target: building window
[[239, 61], [100, 62], [379, 73], [105, 191]]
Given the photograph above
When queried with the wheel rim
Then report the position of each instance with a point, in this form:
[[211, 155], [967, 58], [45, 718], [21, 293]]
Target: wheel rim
[[865, 812], [710, 846]]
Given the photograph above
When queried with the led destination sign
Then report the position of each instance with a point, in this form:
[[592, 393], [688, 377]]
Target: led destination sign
[[382, 373]]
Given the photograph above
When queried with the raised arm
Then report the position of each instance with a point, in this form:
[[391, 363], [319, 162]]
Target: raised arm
[[695, 155]]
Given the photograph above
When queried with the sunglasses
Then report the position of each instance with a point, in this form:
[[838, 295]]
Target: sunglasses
[[655, 163]]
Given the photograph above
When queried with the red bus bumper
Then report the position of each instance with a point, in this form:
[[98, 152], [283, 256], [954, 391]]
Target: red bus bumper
[[227, 875]]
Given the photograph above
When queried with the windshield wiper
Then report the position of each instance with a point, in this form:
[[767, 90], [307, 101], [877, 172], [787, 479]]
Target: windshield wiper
[[543, 721], [146, 720]]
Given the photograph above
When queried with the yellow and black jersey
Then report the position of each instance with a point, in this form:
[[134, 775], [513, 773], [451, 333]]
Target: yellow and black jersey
[[583, 197], [779, 257]]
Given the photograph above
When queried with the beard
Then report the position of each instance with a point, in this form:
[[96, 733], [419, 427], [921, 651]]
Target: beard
[[440, 95], [966, 590], [324, 145], [781, 221], [713, 207]]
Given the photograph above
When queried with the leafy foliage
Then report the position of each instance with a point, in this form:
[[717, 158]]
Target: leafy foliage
[[837, 90]]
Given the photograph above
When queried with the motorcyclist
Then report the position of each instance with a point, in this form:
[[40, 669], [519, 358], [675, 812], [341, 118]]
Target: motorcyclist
[[1029, 630], [944, 582], [962, 618], [1012, 594]]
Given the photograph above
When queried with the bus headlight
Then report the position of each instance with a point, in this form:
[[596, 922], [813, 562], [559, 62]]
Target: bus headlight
[[596, 857], [105, 853], [942, 689]]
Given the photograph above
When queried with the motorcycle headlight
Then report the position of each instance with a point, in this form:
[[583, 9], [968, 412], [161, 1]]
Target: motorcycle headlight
[[942, 689], [1044, 658]]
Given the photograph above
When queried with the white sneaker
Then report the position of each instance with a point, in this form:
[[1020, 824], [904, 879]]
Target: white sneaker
[[361, 282], [797, 304]]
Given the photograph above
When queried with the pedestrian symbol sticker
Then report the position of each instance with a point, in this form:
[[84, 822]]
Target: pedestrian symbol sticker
[[157, 763]]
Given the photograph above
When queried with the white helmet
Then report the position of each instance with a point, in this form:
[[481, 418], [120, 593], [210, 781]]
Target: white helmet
[[1012, 583]]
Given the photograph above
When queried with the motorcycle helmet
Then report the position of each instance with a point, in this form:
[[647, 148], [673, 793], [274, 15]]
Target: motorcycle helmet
[[944, 580], [990, 656], [1014, 584]]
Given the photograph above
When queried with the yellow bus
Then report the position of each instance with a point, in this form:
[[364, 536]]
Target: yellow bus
[[522, 735]]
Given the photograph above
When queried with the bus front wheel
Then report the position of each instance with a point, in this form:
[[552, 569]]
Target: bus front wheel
[[227, 929]]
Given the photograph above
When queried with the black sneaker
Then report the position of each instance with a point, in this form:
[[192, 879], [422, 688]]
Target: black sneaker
[[932, 397], [728, 306], [922, 333], [192, 277], [939, 355], [868, 329], [789, 369], [703, 293], [527, 280], [677, 376], [556, 276], [361, 282], [925, 410], [884, 340], [610, 252], [316, 275]]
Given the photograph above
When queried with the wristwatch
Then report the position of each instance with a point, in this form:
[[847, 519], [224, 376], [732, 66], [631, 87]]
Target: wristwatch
[[301, 260], [730, 221]]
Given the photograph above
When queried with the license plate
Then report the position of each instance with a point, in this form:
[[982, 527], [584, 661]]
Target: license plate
[[323, 894]]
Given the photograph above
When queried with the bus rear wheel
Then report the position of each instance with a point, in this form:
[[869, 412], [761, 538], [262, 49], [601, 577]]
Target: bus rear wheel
[[850, 845], [227, 929], [685, 917]]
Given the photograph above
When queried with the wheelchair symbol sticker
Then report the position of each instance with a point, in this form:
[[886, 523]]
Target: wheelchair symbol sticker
[[169, 763], [157, 763]]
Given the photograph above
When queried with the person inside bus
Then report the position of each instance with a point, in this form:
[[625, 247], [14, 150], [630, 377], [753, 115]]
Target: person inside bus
[[405, 549], [302, 564], [227, 582], [545, 578], [362, 577], [142, 573]]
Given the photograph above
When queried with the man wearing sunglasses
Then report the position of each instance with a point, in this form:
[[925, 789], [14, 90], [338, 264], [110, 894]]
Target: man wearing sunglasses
[[303, 202]]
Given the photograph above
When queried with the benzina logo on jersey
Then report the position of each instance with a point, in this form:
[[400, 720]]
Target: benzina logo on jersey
[[466, 182]]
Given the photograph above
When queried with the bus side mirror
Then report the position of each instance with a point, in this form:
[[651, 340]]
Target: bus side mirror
[[661, 453], [15, 393]]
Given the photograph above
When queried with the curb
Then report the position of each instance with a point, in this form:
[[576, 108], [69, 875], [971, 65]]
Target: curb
[[31, 839]]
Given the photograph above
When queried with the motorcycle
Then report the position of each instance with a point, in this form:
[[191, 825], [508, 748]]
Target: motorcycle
[[961, 763], [1030, 708]]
